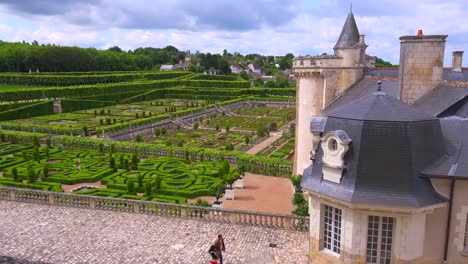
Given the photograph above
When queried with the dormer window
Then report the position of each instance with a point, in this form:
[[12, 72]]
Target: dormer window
[[335, 146]]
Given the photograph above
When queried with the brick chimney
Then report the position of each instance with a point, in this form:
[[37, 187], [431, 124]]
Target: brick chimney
[[421, 65], [457, 58]]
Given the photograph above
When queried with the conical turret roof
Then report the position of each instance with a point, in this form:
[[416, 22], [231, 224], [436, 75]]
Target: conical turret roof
[[349, 34]]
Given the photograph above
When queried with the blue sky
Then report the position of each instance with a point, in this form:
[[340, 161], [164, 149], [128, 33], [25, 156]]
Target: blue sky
[[269, 27]]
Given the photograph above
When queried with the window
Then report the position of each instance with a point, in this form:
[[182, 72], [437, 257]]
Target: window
[[379, 239], [332, 229], [332, 145], [465, 244]]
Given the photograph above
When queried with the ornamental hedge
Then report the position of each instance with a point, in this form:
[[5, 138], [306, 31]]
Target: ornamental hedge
[[70, 105], [254, 164], [37, 109], [69, 80]]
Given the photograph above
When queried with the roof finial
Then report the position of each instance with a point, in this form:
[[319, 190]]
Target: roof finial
[[379, 88], [351, 7]]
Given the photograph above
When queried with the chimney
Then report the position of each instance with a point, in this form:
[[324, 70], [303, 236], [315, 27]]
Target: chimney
[[457, 58], [421, 65], [361, 39]]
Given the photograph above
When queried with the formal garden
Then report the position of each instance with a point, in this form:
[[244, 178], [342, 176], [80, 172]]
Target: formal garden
[[202, 138], [89, 121], [44, 150], [124, 175]]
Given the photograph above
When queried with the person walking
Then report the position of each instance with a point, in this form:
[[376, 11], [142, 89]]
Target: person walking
[[219, 244]]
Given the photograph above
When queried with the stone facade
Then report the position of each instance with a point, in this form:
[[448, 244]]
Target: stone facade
[[410, 227], [457, 59], [421, 65]]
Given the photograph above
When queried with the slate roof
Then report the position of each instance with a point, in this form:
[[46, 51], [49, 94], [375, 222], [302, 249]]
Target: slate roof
[[385, 157], [455, 163], [349, 34], [378, 106], [361, 88]]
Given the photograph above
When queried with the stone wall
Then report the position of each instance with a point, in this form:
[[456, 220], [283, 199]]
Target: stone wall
[[421, 65]]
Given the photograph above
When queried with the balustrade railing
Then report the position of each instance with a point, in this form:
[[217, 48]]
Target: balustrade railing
[[291, 222]]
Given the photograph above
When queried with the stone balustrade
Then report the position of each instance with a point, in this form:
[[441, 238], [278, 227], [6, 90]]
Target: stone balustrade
[[291, 222]]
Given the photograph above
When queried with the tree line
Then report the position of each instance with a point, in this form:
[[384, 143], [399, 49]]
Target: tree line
[[25, 57]]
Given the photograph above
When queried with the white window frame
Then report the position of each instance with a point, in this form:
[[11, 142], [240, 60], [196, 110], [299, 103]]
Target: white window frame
[[379, 234], [332, 229]]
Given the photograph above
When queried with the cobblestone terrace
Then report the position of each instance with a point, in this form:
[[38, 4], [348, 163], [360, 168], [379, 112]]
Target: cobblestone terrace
[[54, 234]]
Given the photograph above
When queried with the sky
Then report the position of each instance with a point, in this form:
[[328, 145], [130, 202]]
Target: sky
[[267, 27]]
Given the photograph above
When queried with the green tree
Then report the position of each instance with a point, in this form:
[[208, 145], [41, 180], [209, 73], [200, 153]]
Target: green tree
[[131, 186], [163, 130], [14, 173], [244, 75], [31, 174], [217, 191], [135, 161], [229, 147], [157, 132], [195, 125], [139, 138], [140, 181], [148, 188], [112, 164], [247, 140], [157, 184]]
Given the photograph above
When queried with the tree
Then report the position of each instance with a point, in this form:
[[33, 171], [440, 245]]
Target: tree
[[229, 147], [157, 184], [273, 127], [157, 132], [262, 131], [244, 75], [14, 173], [31, 174], [231, 178], [228, 128], [217, 191], [45, 171], [139, 138], [85, 131], [112, 164], [135, 161], [195, 125], [270, 84], [217, 127], [36, 154], [148, 188], [163, 130], [131, 186], [247, 140], [140, 181], [225, 168]]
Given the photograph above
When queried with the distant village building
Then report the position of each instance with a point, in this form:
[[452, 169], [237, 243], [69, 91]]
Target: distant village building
[[211, 71], [255, 70], [384, 152], [166, 67], [266, 78], [236, 68]]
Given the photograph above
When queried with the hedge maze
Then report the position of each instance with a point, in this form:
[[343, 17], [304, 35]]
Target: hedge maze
[[163, 179], [43, 150]]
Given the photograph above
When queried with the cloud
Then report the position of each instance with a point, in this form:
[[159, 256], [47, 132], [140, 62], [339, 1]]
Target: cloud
[[248, 26]]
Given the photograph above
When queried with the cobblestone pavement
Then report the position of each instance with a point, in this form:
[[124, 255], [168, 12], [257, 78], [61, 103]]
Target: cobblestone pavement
[[53, 234]]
